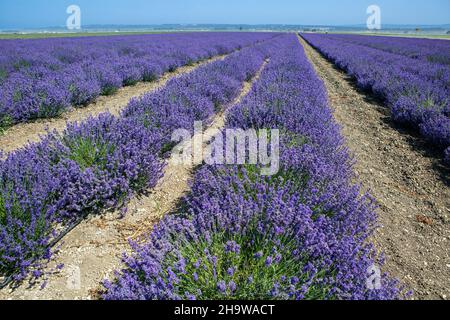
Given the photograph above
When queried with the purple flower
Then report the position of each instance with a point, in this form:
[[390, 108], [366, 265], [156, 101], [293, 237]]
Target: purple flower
[[221, 286], [278, 258], [190, 297], [258, 255], [232, 286], [232, 246]]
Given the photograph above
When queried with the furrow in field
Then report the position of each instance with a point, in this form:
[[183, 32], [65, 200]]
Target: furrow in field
[[23, 133], [413, 199], [414, 89], [92, 251]]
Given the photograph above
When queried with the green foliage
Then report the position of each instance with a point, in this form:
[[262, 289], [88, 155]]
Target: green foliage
[[89, 153], [149, 77], [130, 82], [293, 139], [428, 103], [108, 90], [5, 123], [15, 210], [167, 147], [439, 58], [172, 68], [46, 109], [208, 263], [149, 121], [3, 75], [2, 210], [217, 106], [21, 63], [296, 179], [17, 96]]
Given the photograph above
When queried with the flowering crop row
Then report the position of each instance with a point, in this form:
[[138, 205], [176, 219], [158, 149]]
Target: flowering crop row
[[97, 164], [42, 78], [416, 90], [300, 234], [431, 50]]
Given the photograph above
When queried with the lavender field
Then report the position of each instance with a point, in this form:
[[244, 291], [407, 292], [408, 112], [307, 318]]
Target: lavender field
[[307, 230], [412, 76], [43, 78]]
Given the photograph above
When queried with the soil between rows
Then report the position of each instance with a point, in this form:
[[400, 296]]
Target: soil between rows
[[410, 185]]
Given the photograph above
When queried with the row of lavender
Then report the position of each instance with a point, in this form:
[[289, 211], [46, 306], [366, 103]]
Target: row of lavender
[[416, 90], [42, 78], [300, 234], [99, 163], [431, 50]]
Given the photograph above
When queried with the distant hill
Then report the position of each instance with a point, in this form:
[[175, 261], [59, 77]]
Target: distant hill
[[429, 29]]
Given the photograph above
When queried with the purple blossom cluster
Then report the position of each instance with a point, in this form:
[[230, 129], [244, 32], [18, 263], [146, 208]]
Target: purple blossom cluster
[[411, 75], [99, 163], [300, 234], [41, 78]]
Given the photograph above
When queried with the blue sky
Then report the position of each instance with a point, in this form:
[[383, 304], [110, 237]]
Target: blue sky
[[44, 13]]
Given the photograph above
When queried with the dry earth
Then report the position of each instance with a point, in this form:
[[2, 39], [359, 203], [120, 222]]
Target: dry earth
[[408, 181], [20, 134], [92, 251]]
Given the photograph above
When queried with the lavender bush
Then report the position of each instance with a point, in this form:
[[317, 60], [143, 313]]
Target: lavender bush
[[301, 234], [411, 75]]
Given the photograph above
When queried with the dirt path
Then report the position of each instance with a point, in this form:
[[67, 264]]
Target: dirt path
[[92, 251], [22, 133], [414, 197]]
